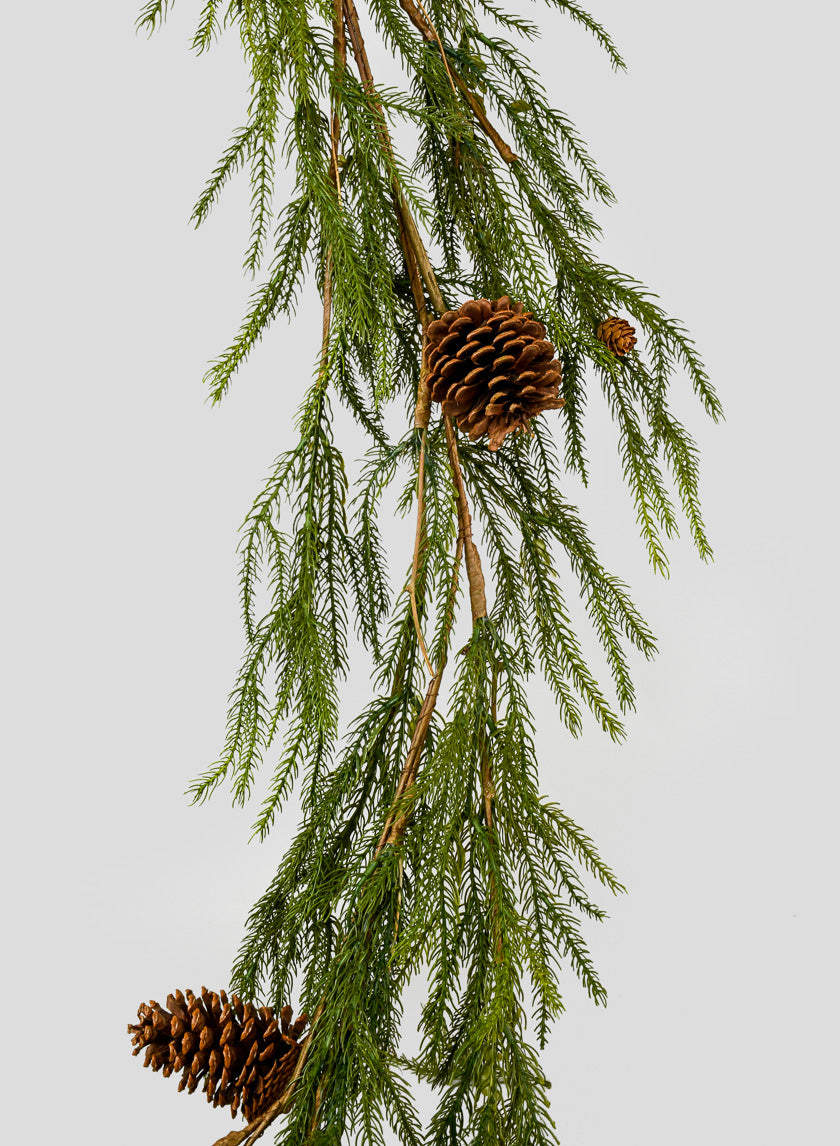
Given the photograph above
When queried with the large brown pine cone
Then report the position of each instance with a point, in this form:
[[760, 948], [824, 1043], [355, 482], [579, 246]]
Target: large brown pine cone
[[617, 335], [241, 1055], [491, 368]]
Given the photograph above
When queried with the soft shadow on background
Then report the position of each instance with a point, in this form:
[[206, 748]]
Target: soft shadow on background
[[123, 492]]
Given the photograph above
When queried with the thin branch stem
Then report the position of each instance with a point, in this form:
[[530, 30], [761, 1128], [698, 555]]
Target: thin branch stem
[[473, 562], [415, 253], [412, 235], [487, 127], [475, 575], [313, 1124], [420, 19], [396, 820], [423, 407], [417, 260], [419, 541]]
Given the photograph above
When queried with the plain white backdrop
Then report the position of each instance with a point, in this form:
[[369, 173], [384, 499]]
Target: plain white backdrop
[[122, 493]]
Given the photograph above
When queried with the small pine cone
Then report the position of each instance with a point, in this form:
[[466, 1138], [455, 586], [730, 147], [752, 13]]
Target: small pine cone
[[240, 1055], [491, 368], [617, 335]]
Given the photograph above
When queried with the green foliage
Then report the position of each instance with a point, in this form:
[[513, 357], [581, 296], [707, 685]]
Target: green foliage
[[302, 639], [484, 910], [483, 894]]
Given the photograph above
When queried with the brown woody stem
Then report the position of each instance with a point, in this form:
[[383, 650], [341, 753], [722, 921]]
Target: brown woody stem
[[419, 267], [419, 17], [475, 575], [427, 30], [417, 260], [487, 127], [423, 407], [419, 539], [397, 820], [412, 235]]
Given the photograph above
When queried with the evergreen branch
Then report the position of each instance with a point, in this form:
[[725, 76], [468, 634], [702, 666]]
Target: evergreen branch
[[277, 295], [598, 31], [262, 166], [653, 506], [208, 27], [152, 15], [525, 28], [424, 844], [231, 161]]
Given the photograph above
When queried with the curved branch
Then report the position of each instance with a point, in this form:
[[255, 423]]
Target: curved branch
[[420, 19]]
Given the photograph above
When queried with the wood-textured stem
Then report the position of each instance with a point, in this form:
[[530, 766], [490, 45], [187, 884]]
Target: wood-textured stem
[[420, 19], [412, 234], [419, 546], [419, 268], [398, 816], [475, 575]]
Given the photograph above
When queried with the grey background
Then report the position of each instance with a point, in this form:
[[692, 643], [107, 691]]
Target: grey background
[[123, 492]]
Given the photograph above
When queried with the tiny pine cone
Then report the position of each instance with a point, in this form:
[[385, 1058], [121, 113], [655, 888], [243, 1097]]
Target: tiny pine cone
[[617, 335]]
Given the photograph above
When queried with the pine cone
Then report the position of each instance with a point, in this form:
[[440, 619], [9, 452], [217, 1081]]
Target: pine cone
[[241, 1055], [617, 335], [491, 368]]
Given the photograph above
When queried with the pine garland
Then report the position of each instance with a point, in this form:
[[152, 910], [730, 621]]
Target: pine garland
[[425, 848]]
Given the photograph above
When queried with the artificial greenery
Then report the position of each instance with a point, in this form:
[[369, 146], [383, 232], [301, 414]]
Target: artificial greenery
[[425, 851]]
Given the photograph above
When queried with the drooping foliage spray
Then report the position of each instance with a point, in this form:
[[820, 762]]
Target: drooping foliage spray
[[458, 282]]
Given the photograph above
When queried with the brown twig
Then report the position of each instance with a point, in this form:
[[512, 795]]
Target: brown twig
[[423, 406], [314, 1120], [419, 538], [232, 1139], [412, 235], [420, 19], [487, 127], [414, 277], [420, 270], [419, 267], [417, 260], [335, 128], [475, 575], [396, 820]]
